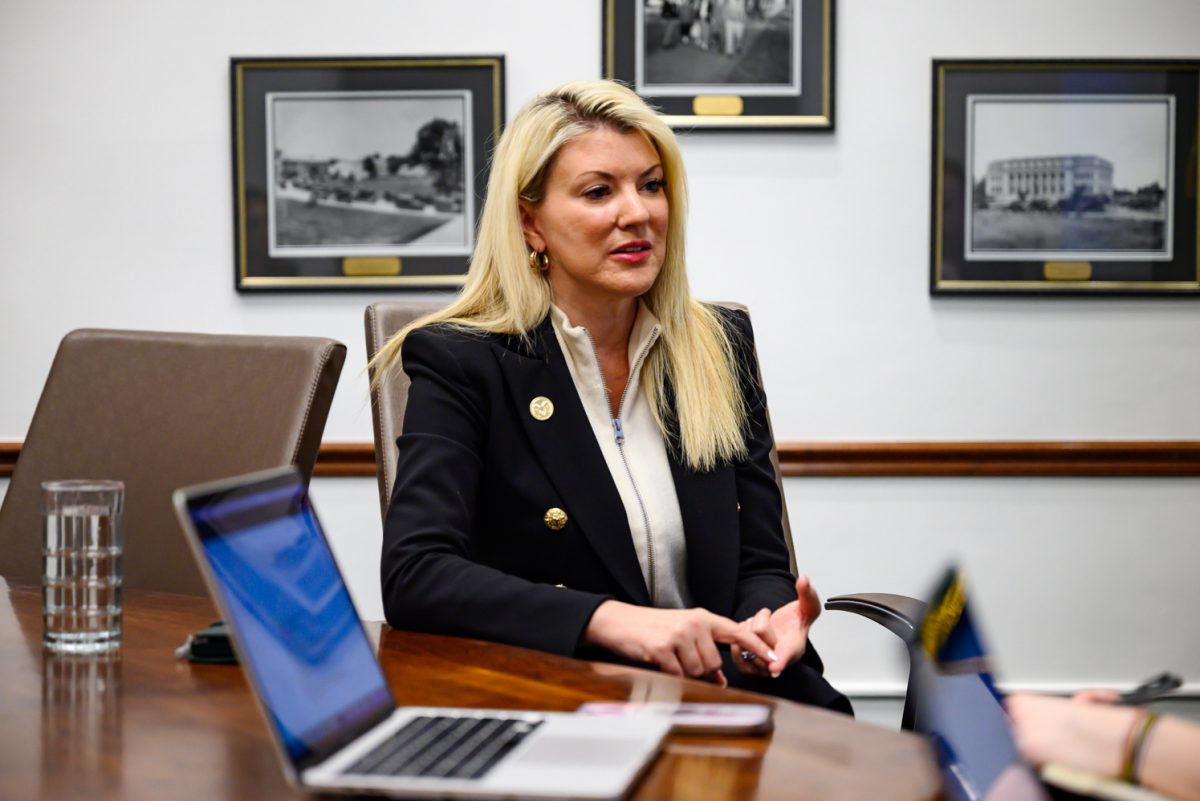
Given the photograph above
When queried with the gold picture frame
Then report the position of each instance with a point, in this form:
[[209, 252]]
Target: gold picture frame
[[1065, 177], [360, 173]]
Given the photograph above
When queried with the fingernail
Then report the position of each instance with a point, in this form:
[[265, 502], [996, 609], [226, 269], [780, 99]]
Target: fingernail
[[773, 656]]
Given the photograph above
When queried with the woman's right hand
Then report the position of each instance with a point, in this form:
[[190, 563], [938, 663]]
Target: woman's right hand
[[682, 642]]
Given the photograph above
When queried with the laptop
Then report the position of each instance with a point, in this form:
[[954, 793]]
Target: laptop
[[333, 719]]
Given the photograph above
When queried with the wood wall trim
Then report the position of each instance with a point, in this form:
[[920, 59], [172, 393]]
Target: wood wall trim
[[1045, 458], [9, 451], [880, 459], [345, 459], [897, 459]]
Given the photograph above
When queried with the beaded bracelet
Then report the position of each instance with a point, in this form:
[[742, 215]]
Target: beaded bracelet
[[1134, 742]]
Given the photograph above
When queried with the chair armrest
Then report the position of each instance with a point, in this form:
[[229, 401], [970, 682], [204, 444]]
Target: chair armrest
[[898, 614]]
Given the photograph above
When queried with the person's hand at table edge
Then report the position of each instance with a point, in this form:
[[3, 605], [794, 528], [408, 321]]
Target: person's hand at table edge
[[682, 642]]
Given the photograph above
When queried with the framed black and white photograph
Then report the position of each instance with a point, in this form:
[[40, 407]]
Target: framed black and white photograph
[[360, 173], [726, 63], [1065, 177]]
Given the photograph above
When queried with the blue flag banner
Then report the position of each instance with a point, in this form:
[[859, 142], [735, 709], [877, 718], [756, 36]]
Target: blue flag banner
[[958, 706], [948, 636]]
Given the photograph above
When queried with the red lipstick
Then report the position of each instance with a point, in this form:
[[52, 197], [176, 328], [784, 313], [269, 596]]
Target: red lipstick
[[635, 251]]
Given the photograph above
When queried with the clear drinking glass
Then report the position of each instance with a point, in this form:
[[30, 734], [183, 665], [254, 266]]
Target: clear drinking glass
[[82, 544]]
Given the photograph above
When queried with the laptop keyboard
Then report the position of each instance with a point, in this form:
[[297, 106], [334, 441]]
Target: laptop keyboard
[[445, 747]]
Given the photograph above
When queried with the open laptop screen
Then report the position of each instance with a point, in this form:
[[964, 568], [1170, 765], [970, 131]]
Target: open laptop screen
[[297, 629]]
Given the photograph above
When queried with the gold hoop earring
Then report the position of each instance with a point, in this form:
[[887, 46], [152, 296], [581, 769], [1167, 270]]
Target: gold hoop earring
[[538, 262]]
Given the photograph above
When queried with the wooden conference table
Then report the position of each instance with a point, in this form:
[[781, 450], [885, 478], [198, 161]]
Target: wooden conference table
[[141, 725]]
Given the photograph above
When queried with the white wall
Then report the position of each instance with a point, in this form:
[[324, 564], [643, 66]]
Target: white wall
[[116, 211]]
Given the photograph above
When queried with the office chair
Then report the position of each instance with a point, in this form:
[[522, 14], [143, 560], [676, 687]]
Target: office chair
[[900, 615], [159, 411], [897, 613], [390, 398]]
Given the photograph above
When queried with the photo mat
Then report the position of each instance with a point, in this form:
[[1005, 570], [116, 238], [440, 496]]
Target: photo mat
[[1070, 177], [369, 173], [718, 47], [725, 64]]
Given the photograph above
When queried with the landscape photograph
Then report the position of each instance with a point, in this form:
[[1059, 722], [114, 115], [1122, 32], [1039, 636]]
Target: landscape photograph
[[369, 173]]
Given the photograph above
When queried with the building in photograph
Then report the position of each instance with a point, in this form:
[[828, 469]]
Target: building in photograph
[[315, 168], [1047, 178], [293, 169]]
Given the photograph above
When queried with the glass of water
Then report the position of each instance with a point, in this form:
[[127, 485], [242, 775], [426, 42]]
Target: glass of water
[[82, 544]]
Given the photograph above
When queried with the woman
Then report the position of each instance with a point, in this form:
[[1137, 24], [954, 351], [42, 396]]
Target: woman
[[585, 464]]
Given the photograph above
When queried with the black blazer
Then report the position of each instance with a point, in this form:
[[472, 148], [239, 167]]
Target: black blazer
[[467, 550]]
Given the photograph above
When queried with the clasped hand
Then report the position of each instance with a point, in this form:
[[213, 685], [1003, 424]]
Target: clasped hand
[[684, 642], [785, 631]]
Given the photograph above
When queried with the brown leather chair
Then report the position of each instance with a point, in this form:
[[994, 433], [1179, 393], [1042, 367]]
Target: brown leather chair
[[897, 613], [390, 398], [160, 411]]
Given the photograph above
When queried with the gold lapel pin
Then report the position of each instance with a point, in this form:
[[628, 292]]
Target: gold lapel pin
[[541, 408]]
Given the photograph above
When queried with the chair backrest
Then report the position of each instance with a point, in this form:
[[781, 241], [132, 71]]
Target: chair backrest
[[787, 526], [159, 411], [388, 400]]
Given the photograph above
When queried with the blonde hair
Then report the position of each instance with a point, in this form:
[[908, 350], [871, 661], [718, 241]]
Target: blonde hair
[[707, 423]]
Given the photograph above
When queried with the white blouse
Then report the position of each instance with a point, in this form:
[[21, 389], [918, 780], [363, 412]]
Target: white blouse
[[636, 455]]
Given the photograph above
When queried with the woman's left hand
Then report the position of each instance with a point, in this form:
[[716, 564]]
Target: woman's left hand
[[785, 630]]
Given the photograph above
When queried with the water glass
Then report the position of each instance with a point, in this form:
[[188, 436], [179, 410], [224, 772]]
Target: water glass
[[82, 544]]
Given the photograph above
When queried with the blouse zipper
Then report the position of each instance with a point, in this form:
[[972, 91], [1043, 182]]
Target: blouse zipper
[[619, 437]]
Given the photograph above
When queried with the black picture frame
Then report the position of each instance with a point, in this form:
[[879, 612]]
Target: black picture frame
[[1065, 177], [360, 173], [775, 71]]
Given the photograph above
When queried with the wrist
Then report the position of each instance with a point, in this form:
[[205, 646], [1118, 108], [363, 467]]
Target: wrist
[[599, 626], [1094, 738]]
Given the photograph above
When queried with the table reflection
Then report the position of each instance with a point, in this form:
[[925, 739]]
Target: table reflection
[[703, 770], [81, 714]]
